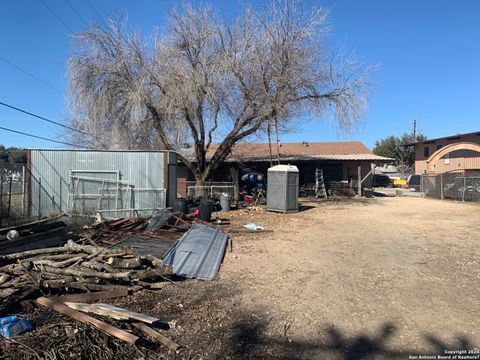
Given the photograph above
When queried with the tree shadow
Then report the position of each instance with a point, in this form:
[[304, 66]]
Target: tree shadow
[[249, 341]]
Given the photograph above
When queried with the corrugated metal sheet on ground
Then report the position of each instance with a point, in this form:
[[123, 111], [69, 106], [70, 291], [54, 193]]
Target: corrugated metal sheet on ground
[[198, 253]]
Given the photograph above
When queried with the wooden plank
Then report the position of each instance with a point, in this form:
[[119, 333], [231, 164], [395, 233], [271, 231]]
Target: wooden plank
[[89, 308], [118, 222], [130, 314], [100, 325], [156, 335], [93, 296], [112, 311]]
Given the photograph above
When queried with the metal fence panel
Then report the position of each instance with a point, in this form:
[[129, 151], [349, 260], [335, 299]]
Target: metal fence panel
[[89, 195], [112, 197], [454, 186], [149, 198], [472, 189], [210, 192]]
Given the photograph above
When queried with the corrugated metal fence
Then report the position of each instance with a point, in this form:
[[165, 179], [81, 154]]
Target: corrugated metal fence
[[114, 183], [454, 186]]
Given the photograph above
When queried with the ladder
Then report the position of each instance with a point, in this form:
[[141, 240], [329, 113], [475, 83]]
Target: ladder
[[320, 190]]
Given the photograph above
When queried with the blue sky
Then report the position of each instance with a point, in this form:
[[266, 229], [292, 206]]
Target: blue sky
[[428, 55]]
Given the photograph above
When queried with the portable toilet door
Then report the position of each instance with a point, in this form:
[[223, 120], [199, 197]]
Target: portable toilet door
[[282, 188]]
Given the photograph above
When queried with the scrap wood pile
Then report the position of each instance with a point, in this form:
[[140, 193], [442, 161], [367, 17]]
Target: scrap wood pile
[[104, 274], [165, 225], [72, 326], [75, 266]]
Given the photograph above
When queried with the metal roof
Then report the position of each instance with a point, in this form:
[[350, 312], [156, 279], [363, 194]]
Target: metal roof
[[99, 150], [326, 157], [327, 151], [451, 137], [198, 253]]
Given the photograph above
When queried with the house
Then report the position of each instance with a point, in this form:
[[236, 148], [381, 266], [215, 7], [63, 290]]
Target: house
[[451, 154], [339, 161]]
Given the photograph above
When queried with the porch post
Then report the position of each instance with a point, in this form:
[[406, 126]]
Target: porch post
[[359, 182]]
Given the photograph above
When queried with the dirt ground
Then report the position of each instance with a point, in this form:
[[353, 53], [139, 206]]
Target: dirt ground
[[383, 278]]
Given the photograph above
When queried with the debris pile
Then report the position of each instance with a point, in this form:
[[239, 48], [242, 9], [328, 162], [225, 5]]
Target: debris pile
[[63, 290], [165, 226], [75, 266]]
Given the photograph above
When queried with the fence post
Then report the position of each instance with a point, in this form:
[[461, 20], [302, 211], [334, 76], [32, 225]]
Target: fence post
[[60, 199], [1, 199], [39, 198], [9, 199], [359, 176], [441, 186], [464, 187], [23, 191]]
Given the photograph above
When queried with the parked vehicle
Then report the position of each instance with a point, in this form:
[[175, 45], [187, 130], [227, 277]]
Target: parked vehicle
[[381, 181]]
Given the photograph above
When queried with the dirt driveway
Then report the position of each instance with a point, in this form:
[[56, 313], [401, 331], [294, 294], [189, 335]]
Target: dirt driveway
[[382, 278]]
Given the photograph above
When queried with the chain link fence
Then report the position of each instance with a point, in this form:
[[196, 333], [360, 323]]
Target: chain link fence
[[112, 198], [24, 199], [211, 191], [454, 186]]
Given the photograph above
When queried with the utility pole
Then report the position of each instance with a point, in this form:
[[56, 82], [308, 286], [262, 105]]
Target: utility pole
[[269, 143], [278, 141], [414, 141]]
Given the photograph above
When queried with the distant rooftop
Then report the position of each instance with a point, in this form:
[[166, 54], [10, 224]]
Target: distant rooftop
[[451, 137], [346, 150]]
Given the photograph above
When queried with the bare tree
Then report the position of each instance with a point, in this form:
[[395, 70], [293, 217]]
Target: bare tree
[[201, 80]]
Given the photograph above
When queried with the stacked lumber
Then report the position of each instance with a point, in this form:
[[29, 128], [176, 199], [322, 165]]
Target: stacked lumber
[[82, 267]]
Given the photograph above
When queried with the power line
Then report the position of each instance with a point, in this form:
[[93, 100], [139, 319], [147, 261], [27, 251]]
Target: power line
[[94, 10], [58, 17], [31, 75], [76, 12], [43, 118], [42, 138]]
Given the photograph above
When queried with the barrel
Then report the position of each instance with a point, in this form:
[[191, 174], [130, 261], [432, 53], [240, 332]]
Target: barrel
[[205, 209], [225, 202], [180, 206]]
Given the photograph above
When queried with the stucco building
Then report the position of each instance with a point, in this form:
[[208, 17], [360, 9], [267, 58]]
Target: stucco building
[[450, 154]]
